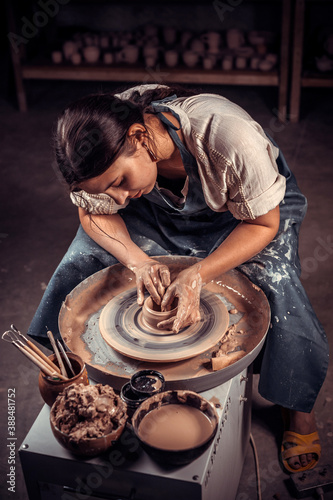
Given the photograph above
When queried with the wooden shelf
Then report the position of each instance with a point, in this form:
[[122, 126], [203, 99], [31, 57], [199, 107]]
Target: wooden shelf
[[313, 79], [299, 76], [138, 73], [46, 70]]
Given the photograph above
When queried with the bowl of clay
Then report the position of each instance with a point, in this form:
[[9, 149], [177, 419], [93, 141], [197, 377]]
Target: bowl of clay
[[175, 427], [88, 420]]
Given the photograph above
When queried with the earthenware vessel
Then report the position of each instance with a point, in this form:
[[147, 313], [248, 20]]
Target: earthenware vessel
[[57, 56], [213, 40], [130, 54], [190, 58], [171, 58], [234, 38], [49, 388], [209, 61], [169, 35], [91, 54]]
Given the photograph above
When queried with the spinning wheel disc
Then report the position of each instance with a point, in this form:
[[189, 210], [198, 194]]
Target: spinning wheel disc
[[79, 327], [122, 328]]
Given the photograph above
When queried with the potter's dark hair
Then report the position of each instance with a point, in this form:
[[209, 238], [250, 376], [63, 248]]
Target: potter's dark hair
[[92, 132]]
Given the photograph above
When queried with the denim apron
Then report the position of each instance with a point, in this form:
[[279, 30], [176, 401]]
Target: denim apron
[[295, 355]]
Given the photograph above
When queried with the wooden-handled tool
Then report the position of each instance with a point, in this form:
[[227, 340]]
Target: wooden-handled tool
[[57, 353], [36, 349], [12, 337]]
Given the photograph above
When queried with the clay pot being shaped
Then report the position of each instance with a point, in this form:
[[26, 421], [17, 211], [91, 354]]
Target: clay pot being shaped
[[152, 315]]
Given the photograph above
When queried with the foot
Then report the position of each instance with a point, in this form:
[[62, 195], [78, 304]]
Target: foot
[[302, 423]]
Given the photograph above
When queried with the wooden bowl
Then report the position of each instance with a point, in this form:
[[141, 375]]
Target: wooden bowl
[[89, 447]]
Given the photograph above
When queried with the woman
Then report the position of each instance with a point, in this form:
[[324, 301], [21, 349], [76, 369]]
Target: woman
[[154, 173]]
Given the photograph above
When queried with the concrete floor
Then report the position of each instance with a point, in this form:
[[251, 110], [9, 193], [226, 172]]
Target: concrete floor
[[38, 222]]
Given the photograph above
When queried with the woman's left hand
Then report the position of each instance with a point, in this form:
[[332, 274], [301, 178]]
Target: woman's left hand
[[186, 287]]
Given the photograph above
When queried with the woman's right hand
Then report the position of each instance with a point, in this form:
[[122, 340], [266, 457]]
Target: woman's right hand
[[153, 276]]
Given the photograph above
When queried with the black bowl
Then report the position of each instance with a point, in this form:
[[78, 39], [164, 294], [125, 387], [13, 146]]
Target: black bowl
[[146, 383], [152, 405]]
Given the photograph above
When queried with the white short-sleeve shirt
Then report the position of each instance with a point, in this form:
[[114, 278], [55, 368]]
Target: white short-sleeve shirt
[[236, 160]]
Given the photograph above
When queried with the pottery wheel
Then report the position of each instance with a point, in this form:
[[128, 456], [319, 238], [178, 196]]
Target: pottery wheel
[[79, 325], [122, 328]]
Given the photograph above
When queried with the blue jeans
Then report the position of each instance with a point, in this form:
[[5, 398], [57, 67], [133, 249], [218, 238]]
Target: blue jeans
[[295, 356]]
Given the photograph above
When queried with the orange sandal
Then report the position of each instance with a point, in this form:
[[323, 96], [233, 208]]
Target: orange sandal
[[304, 443]]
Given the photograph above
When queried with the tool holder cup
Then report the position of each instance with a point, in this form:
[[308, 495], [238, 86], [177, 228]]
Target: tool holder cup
[[50, 388]]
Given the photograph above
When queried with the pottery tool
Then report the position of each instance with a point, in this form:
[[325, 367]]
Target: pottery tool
[[69, 364], [11, 336], [57, 353], [35, 348]]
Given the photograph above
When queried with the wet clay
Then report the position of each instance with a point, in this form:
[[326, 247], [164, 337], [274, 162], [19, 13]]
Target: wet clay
[[175, 427], [85, 412], [152, 315]]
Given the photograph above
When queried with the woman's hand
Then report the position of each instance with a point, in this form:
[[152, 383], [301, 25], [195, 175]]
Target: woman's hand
[[153, 276], [186, 287]]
